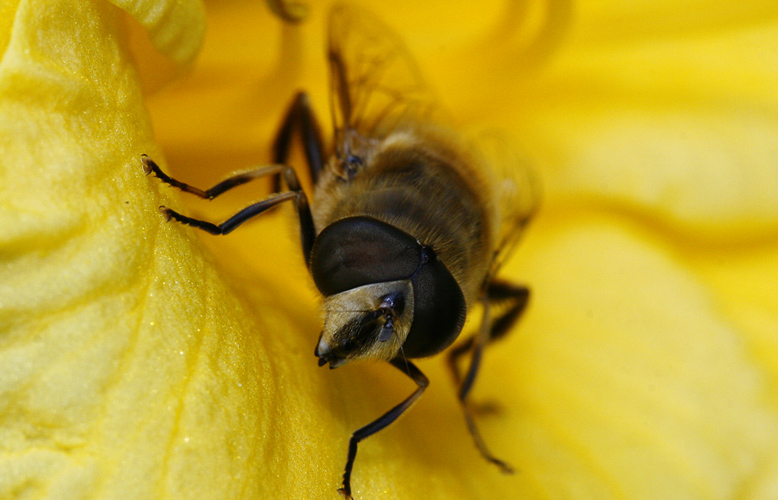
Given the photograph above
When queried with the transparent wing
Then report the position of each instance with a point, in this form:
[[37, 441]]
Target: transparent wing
[[375, 83], [516, 190]]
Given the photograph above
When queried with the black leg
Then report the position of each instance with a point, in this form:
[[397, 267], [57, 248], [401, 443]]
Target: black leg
[[150, 166], [387, 418], [233, 222], [511, 300], [514, 300], [299, 117], [455, 354], [307, 230]]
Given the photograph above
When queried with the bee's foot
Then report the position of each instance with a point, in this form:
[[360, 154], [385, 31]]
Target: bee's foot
[[484, 408], [165, 211], [147, 163]]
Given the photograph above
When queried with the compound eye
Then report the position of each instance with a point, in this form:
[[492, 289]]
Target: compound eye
[[358, 251], [438, 312]]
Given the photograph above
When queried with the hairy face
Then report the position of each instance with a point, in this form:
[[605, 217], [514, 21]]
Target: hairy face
[[368, 322]]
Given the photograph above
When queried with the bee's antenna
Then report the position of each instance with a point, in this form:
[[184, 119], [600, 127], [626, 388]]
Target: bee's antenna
[[402, 352]]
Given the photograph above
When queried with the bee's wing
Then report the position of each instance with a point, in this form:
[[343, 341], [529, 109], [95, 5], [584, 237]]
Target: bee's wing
[[516, 191], [375, 84]]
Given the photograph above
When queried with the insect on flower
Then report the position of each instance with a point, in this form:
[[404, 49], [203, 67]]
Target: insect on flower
[[409, 226]]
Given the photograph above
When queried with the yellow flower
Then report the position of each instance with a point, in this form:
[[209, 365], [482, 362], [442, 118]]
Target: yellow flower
[[139, 359]]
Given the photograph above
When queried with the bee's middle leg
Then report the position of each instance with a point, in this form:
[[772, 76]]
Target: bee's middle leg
[[514, 299], [307, 229]]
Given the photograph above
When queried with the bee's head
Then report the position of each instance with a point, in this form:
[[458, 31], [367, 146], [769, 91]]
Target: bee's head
[[367, 322], [382, 290]]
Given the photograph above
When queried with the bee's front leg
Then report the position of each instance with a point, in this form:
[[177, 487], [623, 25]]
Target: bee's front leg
[[384, 420], [307, 229]]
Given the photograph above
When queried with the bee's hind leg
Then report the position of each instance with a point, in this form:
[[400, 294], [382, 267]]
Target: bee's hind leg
[[299, 117], [513, 300]]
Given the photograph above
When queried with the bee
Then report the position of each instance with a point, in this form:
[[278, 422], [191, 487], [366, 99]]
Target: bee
[[410, 222]]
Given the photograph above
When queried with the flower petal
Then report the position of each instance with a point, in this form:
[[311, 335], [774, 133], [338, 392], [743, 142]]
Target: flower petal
[[631, 381], [681, 129], [176, 28], [118, 344]]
